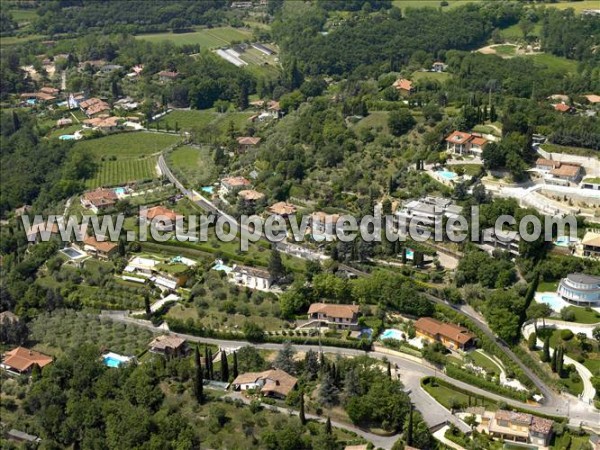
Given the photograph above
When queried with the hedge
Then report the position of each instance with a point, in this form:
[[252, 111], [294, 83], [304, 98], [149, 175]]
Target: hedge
[[471, 378]]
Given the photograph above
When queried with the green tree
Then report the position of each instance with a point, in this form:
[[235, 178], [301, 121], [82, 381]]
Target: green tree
[[285, 359], [224, 367], [400, 122], [198, 380], [532, 341], [235, 365], [328, 392], [302, 414], [546, 350], [276, 267]]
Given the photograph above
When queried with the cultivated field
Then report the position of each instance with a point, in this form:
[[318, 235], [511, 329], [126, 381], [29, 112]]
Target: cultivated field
[[194, 163], [578, 6], [125, 157], [188, 120], [206, 38]]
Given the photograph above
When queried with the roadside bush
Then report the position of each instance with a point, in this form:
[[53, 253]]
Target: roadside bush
[[566, 335]]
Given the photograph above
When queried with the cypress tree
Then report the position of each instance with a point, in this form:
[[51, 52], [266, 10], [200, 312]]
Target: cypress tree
[[553, 360], [409, 431], [328, 426], [546, 350], [389, 370], [198, 382], [224, 367], [235, 365], [531, 341], [560, 359], [302, 415], [206, 363], [147, 303]]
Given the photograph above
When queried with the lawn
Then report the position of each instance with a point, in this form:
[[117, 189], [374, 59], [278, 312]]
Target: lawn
[[484, 361], [209, 120], [377, 120], [578, 6], [547, 286], [554, 63], [584, 315], [554, 148], [125, 157], [23, 15], [206, 38], [403, 4], [450, 398], [468, 169], [433, 76], [505, 50], [195, 164], [14, 40], [514, 31], [64, 130]]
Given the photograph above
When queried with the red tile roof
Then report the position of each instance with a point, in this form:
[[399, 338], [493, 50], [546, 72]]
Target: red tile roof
[[160, 211], [450, 331], [562, 107], [101, 246], [459, 137], [403, 84], [22, 359], [333, 310]]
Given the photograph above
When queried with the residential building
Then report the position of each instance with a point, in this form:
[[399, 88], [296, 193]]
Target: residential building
[[64, 122], [99, 199], [100, 249], [231, 185], [103, 123], [519, 427], [404, 86], [451, 336], [250, 195], [580, 289], [168, 345], [263, 49], [493, 239], [563, 108], [461, 143], [246, 143], [425, 212], [163, 219], [42, 231], [241, 5], [21, 360], [334, 315], [592, 98], [94, 106], [141, 266], [251, 277], [566, 172], [283, 209], [545, 164], [591, 183], [8, 316], [589, 246], [270, 383], [166, 75], [438, 66], [20, 436], [323, 224], [50, 90]]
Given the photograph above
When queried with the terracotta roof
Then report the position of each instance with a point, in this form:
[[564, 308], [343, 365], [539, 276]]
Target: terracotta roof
[[361, 447], [97, 108], [100, 122], [159, 211], [168, 74], [283, 208], [403, 84], [22, 359], [566, 170], [479, 141], [101, 197], [89, 102], [592, 98], [333, 310], [276, 381], [235, 181], [273, 105], [324, 217], [540, 425], [248, 140], [49, 90], [459, 137], [513, 417], [167, 341], [42, 227], [562, 107], [252, 271], [448, 330], [102, 246], [592, 239], [546, 162], [251, 195]]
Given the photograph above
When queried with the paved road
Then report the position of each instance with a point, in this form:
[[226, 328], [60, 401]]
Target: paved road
[[411, 373]]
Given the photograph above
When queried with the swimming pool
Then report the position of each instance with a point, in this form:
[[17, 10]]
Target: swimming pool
[[72, 253], [219, 265], [410, 254], [208, 189], [446, 174], [67, 137], [114, 360], [31, 101], [391, 333], [553, 301], [565, 241], [119, 191]]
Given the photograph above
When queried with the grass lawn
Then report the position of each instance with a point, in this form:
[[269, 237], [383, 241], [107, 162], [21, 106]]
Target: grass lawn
[[14, 40], [514, 31], [403, 4], [583, 315], [578, 6], [434, 76], [23, 15], [554, 63], [449, 398], [187, 120], [377, 120], [195, 164], [505, 50], [484, 361], [125, 157], [206, 38], [569, 150], [65, 130], [468, 169], [548, 286]]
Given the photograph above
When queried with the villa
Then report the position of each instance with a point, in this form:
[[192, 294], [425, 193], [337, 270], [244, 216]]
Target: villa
[[251, 277], [250, 195], [20, 361], [580, 289], [425, 212], [517, 427], [94, 106], [100, 249], [324, 224], [404, 86], [282, 209], [493, 239], [590, 245], [270, 383], [163, 219], [231, 185], [168, 345], [461, 143], [559, 172], [335, 316], [99, 199], [246, 143], [451, 336], [166, 75]]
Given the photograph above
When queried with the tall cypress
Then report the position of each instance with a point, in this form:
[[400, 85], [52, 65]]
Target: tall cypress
[[328, 426], [389, 370], [224, 367], [302, 414], [198, 381], [409, 432], [546, 350], [206, 363], [235, 365], [553, 360]]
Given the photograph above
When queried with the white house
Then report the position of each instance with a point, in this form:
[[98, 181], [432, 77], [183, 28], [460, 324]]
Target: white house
[[251, 277]]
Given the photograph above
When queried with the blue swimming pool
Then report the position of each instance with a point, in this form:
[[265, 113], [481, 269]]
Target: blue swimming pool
[[564, 241], [410, 254], [225, 268], [208, 189], [115, 360], [31, 101], [67, 137], [72, 253], [448, 175], [390, 333], [112, 362], [553, 301], [119, 191]]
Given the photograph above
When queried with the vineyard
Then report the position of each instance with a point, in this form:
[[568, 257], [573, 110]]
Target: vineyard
[[119, 172]]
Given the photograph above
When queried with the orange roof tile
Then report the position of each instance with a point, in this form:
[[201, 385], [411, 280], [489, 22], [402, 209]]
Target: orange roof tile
[[22, 359]]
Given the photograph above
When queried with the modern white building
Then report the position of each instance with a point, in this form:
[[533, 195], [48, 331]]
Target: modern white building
[[580, 289]]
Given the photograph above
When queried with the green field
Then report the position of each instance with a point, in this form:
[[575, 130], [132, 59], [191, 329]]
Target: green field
[[555, 63], [206, 38], [578, 6], [195, 164], [125, 157], [14, 40], [403, 4], [514, 31], [376, 120], [23, 15], [434, 76], [505, 50], [187, 120]]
